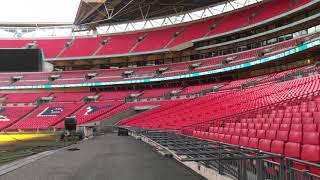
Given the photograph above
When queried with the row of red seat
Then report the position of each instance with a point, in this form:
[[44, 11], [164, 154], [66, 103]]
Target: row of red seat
[[308, 150], [226, 103]]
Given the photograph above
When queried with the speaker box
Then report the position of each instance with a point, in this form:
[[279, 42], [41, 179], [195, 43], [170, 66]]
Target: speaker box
[[123, 132], [70, 123]]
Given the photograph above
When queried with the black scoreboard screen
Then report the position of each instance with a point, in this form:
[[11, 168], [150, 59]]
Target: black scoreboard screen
[[20, 60]]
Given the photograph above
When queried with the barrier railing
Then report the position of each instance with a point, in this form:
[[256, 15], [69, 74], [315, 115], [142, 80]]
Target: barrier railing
[[232, 160]]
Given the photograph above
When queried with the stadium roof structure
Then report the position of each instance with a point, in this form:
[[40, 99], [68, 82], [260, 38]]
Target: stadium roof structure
[[97, 17], [119, 11]]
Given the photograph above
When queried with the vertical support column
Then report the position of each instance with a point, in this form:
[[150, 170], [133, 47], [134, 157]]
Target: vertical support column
[[220, 163], [290, 173], [260, 169], [281, 175]]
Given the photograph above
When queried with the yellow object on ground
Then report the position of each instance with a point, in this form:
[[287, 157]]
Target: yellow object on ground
[[6, 138]]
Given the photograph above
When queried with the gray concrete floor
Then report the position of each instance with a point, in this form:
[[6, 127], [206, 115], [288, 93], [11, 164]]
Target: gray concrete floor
[[107, 157]]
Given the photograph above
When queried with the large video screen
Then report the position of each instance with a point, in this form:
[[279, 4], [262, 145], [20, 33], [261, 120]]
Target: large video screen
[[20, 60]]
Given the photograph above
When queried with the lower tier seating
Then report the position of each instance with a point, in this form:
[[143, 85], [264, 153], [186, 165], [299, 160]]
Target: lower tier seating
[[46, 116], [291, 128]]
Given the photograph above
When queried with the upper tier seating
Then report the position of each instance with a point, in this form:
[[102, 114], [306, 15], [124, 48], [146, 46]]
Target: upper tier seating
[[119, 44], [51, 47], [108, 75], [156, 40], [82, 47], [160, 39]]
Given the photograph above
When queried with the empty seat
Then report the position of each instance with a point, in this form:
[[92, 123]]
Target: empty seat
[[232, 125], [238, 126], [258, 126], [220, 131], [277, 120], [296, 120], [244, 125], [221, 137], [310, 153], [237, 132], [234, 140], [284, 127], [253, 143], [277, 147], [282, 135], [292, 150], [231, 131], [265, 126], [265, 144], [211, 136], [250, 126], [252, 133], [309, 128], [286, 120], [311, 138], [227, 138], [296, 127], [243, 141], [244, 132], [274, 126], [271, 134], [261, 134], [307, 120], [225, 130], [295, 136]]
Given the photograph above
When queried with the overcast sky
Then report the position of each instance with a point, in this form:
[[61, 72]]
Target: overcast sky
[[38, 11]]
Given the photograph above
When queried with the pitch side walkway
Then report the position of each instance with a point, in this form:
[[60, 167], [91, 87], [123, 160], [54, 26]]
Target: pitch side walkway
[[107, 157]]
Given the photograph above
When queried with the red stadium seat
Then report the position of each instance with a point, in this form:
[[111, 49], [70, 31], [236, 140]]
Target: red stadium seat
[[253, 143], [234, 140], [295, 136], [310, 153], [265, 144], [284, 127], [296, 127], [277, 147], [244, 132], [265, 126], [309, 128], [311, 138], [237, 132], [271, 134], [282, 135], [252, 133], [261, 134], [243, 141], [292, 150], [274, 126], [227, 139]]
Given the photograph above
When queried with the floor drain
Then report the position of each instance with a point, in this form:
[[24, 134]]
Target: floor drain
[[73, 149]]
